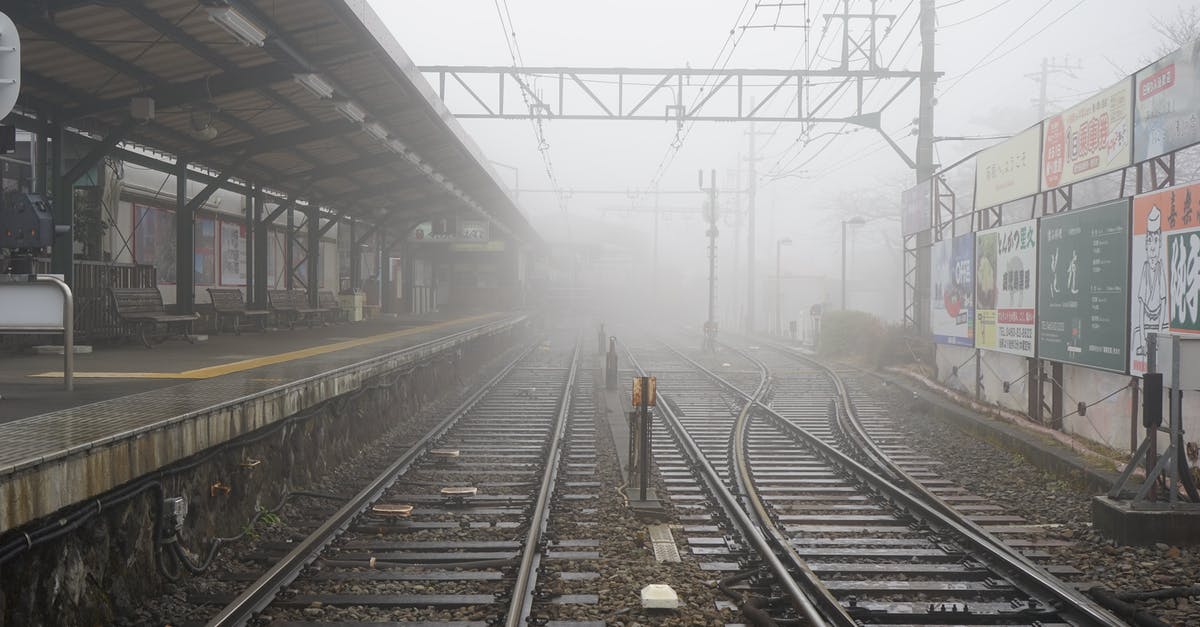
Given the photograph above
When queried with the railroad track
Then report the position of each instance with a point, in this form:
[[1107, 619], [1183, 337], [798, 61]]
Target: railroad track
[[861, 537], [454, 531]]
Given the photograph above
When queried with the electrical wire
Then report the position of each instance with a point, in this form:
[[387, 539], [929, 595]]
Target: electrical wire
[[983, 61]]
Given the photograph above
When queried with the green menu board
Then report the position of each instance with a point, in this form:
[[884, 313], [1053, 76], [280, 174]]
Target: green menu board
[[1083, 292]]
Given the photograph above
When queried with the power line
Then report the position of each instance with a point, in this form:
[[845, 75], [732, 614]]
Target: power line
[[681, 133], [983, 61], [977, 15]]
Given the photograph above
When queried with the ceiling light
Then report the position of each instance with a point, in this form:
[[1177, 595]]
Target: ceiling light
[[351, 111], [374, 129], [397, 146], [315, 85], [237, 25]]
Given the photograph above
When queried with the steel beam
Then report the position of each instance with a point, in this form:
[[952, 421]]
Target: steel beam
[[185, 243]]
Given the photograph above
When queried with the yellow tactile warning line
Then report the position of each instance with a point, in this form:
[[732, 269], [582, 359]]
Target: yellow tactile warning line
[[267, 360]]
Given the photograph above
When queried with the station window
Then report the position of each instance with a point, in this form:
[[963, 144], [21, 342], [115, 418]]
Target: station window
[[154, 240]]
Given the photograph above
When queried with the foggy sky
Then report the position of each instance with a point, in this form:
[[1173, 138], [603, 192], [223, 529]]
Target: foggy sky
[[857, 172]]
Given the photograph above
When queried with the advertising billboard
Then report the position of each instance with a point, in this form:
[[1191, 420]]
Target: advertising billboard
[[1089, 139], [1165, 253], [917, 208], [1009, 170], [1006, 288], [1166, 104], [952, 287], [1083, 294]]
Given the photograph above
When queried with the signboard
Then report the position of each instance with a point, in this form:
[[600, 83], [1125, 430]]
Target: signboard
[[1010, 170], [1005, 288], [452, 230], [1089, 139], [917, 208], [1166, 105], [1165, 251], [651, 391], [1083, 295], [952, 310]]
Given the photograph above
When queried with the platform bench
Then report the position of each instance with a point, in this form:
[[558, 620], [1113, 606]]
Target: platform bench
[[143, 308], [230, 304], [292, 305], [327, 301]]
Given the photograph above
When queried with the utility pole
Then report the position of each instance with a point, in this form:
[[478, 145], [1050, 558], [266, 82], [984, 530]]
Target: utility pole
[[710, 327], [1050, 66], [924, 166]]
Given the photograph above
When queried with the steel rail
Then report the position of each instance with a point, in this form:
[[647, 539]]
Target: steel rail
[[801, 600], [263, 591], [531, 554], [1004, 558]]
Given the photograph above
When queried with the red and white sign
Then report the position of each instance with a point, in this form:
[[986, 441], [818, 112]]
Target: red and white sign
[[1089, 139]]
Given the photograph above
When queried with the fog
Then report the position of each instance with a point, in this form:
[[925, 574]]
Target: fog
[[810, 178]]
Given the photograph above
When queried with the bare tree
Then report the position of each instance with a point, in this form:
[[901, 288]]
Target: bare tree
[[1177, 30]]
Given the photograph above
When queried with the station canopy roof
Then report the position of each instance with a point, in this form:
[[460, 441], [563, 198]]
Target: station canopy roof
[[310, 99]]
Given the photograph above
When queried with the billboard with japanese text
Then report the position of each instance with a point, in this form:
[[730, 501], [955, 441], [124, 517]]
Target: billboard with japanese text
[[1009, 170], [1083, 292], [1166, 104], [1089, 139], [952, 287], [1006, 288], [1165, 253]]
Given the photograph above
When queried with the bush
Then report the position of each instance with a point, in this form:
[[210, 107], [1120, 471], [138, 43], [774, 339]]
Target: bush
[[861, 338]]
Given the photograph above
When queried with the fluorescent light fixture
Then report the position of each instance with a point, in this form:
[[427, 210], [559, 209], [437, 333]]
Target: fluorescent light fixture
[[397, 146], [315, 85], [374, 129], [439, 178], [426, 168], [237, 25], [351, 111]]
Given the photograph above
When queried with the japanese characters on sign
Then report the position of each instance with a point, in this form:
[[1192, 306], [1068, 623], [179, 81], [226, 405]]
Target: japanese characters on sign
[[1009, 170], [1166, 104], [1165, 250], [1005, 288], [1089, 139], [1083, 293], [952, 306]]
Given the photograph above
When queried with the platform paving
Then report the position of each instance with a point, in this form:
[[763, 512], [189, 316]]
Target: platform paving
[[137, 409]]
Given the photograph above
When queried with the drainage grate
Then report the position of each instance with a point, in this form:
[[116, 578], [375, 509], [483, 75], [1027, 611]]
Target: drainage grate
[[663, 543]]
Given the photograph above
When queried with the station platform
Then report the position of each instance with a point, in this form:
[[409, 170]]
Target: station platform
[[135, 410]]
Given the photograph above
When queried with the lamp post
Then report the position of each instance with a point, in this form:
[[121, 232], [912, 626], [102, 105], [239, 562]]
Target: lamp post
[[857, 221], [786, 241]]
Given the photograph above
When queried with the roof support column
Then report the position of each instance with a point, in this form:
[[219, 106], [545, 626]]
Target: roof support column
[[314, 252], [385, 272], [248, 249], [261, 251], [355, 257], [288, 249], [62, 255], [185, 243]]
